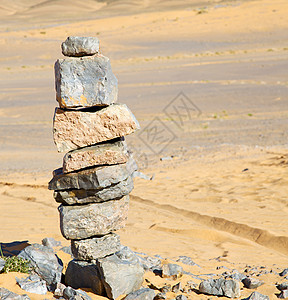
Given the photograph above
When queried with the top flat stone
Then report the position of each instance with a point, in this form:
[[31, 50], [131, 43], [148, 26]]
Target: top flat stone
[[80, 46]]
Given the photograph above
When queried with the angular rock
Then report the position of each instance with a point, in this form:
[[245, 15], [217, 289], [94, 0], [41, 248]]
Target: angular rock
[[150, 262], [80, 46], [282, 286], [283, 294], [220, 287], [59, 290], [92, 179], [84, 221], [160, 296], [257, 296], [115, 191], [181, 297], [172, 271], [97, 155], [33, 284], [76, 129], [252, 283], [8, 295], [186, 260], [44, 262], [85, 82], [67, 250], [83, 274], [284, 272], [69, 292], [177, 287], [121, 273], [142, 294], [97, 247], [50, 242]]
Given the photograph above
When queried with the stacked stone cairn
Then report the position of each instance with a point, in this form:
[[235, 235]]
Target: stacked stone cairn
[[94, 183]]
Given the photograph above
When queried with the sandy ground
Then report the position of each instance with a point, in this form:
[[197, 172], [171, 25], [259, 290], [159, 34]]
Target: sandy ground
[[207, 81]]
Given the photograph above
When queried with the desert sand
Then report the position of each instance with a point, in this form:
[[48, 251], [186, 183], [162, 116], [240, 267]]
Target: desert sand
[[220, 190]]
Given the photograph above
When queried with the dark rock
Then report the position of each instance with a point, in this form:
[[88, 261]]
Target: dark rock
[[220, 287], [80, 46], [94, 178], [59, 290], [45, 263], [186, 260], [257, 296], [181, 297], [97, 247], [32, 284], [284, 272], [142, 294], [172, 271], [2, 264], [115, 191], [282, 286], [160, 296], [177, 287], [8, 295], [85, 82], [283, 294], [50, 242], [252, 283], [84, 221]]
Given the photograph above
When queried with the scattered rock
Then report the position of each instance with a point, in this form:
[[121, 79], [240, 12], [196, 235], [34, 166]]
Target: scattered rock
[[220, 287], [59, 290], [32, 284], [85, 82], [150, 262], [172, 271], [189, 287], [252, 283], [284, 272], [141, 175], [236, 275], [142, 294], [50, 242], [101, 154], [181, 297], [167, 158], [94, 178], [115, 191], [8, 295], [45, 263], [282, 286], [283, 294], [177, 287], [80, 46], [257, 296], [76, 129], [2, 264], [84, 221], [160, 296], [97, 247], [186, 260], [166, 288]]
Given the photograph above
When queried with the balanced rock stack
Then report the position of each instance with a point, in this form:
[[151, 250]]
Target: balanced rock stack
[[96, 177]]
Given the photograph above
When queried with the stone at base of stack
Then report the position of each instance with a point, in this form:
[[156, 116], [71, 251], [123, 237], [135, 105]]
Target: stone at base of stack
[[94, 183]]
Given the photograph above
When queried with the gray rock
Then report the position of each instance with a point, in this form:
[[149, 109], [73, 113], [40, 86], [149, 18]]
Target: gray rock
[[257, 296], [165, 288], [81, 295], [177, 287], [59, 290], [186, 260], [67, 250], [220, 287], [114, 191], [172, 271], [80, 46], [252, 283], [97, 247], [283, 294], [50, 242], [85, 82], [83, 274], [160, 296], [181, 297], [69, 292], [45, 263], [150, 262], [121, 273], [282, 286], [141, 175], [284, 272], [84, 221], [236, 275], [2, 264], [142, 294], [92, 179], [8, 295], [32, 284]]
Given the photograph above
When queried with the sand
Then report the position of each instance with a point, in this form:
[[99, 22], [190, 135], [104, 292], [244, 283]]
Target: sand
[[221, 189]]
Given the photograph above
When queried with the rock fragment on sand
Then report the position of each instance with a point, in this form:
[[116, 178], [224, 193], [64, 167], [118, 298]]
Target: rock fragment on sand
[[59, 289], [252, 283], [160, 296], [177, 287], [150, 262], [84, 221], [94, 178], [50, 242], [85, 82], [220, 287], [72, 294], [282, 286], [80, 46], [8, 295], [76, 129], [101, 154], [257, 296], [186, 260], [33, 284], [44, 262], [181, 297], [283, 294], [142, 294], [284, 272], [96, 247], [172, 271]]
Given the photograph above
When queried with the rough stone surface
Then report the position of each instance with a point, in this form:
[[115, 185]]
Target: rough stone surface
[[150, 262], [80, 46], [172, 271], [85, 82], [59, 290], [2, 264], [32, 284], [121, 273], [257, 296], [44, 262], [84, 221], [181, 297], [92, 179], [97, 247], [83, 274], [77, 129], [252, 283], [50, 242], [101, 154], [283, 294], [160, 296], [8, 295], [142, 294], [115, 191], [220, 287]]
